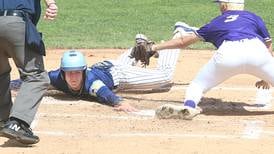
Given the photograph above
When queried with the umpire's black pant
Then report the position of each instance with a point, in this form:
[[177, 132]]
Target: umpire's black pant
[[31, 70]]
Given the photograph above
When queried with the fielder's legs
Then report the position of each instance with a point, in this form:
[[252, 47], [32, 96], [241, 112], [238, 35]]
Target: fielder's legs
[[232, 58], [260, 62], [226, 62], [266, 72]]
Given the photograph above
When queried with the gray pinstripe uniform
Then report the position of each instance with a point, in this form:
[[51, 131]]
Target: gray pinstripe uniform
[[132, 78]]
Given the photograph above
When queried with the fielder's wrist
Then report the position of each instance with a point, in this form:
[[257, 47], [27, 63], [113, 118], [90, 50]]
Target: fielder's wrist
[[153, 47]]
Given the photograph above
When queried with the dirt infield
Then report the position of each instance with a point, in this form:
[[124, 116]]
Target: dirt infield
[[231, 122]]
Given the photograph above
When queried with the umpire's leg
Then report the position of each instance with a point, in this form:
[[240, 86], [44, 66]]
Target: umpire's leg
[[35, 83], [5, 95], [31, 68]]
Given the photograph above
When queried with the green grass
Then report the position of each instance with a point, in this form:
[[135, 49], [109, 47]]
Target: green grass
[[114, 23]]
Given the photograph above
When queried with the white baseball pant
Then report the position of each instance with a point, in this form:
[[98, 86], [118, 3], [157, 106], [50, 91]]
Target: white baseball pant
[[248, 56]]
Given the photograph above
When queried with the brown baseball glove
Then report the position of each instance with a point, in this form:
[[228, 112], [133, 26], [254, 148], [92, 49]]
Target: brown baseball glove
[[142, 50]]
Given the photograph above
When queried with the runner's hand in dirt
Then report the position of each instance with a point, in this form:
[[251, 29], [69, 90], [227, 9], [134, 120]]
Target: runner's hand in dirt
[[262, 84], [126, 107]]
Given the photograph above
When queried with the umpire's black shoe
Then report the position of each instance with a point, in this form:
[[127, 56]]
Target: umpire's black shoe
[[14, 130]]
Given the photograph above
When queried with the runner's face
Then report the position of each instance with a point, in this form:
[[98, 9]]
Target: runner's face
[[74, 79]]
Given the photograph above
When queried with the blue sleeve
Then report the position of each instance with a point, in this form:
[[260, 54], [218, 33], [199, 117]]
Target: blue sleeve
[[103, 93], [203, 33]]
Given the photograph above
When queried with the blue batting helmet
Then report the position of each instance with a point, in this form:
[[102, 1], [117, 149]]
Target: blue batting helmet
[[73, 61]]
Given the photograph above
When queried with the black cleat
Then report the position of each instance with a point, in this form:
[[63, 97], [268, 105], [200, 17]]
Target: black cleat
[[14, 130]]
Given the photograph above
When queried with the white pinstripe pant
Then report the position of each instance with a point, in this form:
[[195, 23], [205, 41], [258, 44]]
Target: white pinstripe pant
[[133, 78]]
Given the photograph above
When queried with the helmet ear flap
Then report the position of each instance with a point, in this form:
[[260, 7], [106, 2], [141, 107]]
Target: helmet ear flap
[[73, 61]]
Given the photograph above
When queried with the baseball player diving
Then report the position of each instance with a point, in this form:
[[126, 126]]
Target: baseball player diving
[[244, 46], [101, 79], [75, 78]]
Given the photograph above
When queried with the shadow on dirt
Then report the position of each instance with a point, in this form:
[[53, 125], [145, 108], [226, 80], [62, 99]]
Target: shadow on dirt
[[58, 95], [14, 143], [213, 106], [209, 106]]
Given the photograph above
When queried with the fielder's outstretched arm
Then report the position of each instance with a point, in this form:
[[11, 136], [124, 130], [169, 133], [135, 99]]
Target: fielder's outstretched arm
[[181, 42]]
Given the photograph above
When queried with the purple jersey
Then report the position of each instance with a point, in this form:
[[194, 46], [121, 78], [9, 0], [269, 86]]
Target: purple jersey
[[232, 26]]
